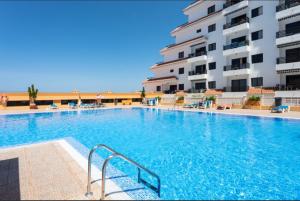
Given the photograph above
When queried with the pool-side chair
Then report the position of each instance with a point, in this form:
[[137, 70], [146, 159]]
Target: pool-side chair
[[281, 109], [53, 106]]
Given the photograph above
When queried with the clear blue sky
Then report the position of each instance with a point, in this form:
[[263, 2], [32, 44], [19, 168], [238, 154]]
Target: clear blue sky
[[83, 45]]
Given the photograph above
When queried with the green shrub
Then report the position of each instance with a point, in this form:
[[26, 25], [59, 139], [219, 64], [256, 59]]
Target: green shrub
[[254, 98], [211, 98], [180, 98]]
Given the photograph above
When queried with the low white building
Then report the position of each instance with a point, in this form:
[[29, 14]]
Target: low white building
[[232, 45]]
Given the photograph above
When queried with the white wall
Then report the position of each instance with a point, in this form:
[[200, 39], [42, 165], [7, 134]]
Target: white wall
[[267, 45]]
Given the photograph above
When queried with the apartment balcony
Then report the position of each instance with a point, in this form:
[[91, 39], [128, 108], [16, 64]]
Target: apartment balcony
[[289, 8], [193, 75], [235, 70], [231, 27], [239, 91], [284, 64], [236, 48], [231, 6], [283, 37], [202, 56]]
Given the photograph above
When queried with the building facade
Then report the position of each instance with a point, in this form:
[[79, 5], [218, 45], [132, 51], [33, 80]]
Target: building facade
[[230, 46]]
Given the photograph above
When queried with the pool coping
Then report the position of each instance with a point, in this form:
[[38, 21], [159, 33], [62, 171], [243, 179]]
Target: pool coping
[[223, 113], [95, 172], [155, 107]]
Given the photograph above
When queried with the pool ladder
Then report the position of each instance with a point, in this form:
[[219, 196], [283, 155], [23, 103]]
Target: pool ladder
[[115, 154]]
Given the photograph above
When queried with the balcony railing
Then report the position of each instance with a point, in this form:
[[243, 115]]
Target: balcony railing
[[236, 45], [198, 54], [287, 5], [236, 89], [236, 67], [193, 90], [283, 60], [283, 33], [281, 87], [231, 24], [231, 3], [197, 72]]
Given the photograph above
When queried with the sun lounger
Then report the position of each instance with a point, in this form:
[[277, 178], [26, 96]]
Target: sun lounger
[[202, 105], [72, 105], [53, 106], [280, 109], [83, 105], [223, 107], [98, 105], [193, 105], [205, 105]]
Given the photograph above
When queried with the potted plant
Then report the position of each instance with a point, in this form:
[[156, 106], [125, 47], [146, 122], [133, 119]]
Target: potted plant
[[180, 100], [211, 98], [3, 101], [32, 92], [253, 101]]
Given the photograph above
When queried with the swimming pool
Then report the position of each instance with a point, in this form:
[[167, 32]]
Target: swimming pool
[[197, 155]]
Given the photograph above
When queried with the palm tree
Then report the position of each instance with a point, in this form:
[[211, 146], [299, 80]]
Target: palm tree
[[32, 92], [143, 95]]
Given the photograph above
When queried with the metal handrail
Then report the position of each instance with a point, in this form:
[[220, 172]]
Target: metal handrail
[[231, 3], [286, 5], [233, 24], [194, 72], [116, 154], [236, 45], [236, 67], [285, 33], [202, 53]]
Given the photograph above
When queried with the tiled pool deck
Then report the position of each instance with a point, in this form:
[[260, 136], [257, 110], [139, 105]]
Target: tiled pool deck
[[57, 170], [41, 172]]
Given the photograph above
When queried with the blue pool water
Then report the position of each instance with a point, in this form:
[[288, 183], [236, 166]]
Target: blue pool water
[[197, 155]]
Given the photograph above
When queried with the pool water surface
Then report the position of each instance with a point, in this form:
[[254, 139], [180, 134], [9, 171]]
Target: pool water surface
[[197, 155]]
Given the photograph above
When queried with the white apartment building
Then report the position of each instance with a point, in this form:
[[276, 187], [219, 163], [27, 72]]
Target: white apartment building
[[232, 45]]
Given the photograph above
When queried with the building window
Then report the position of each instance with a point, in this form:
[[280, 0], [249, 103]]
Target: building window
[[181, 71], [257, 35], [181, 55], [257, 12], [212, 47], [158, 88], [257, 58], [257, 82], [211, 9], [172, 70], [212, 66], [181, 87], [211, 28], [212, 85], [198, 30]]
